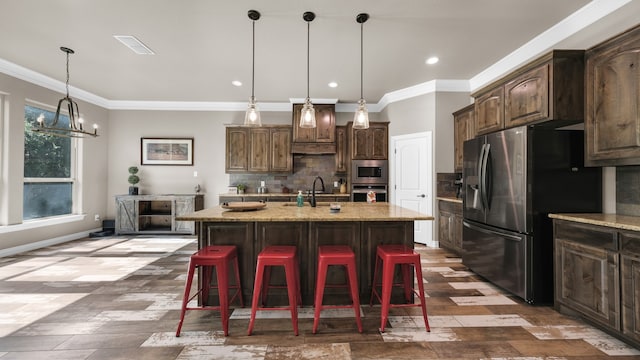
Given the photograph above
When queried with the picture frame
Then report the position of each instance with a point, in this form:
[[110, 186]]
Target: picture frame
[[166, 151]]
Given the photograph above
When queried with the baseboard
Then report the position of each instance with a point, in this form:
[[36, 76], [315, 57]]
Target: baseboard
[[44, 243]]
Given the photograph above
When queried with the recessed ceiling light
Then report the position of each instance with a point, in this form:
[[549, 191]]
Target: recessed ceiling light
[[333, 84], [134, 44], [432, 60], [236, 83]]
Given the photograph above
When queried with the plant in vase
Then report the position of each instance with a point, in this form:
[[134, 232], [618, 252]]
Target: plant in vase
[[133, 180], [241, 188]]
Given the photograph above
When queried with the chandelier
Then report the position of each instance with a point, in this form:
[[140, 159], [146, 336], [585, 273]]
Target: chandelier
[[76, 123]]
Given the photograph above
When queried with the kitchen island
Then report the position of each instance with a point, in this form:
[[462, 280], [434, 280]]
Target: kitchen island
[[362, 226]]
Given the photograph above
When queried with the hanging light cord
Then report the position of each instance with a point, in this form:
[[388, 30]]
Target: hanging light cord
[[67, 84], [308, 37], [253, 58], [361, 62]]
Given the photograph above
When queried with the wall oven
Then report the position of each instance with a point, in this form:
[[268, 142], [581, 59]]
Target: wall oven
[[359, 192], [369, 172]]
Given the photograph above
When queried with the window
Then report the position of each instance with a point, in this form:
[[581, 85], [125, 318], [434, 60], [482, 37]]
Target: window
[[49, 168]]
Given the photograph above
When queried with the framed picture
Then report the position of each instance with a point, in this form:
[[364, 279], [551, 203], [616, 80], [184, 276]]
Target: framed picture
[[171, 151]]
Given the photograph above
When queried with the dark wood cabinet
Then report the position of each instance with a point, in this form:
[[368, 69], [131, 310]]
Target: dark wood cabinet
[[630, 278], [371, 143], [587, 272], [265, 149], [550, 88], [237, 150], [280, 151], [342, 150], [463, 129], [318, 140], [612, 122], [489, 111], [450, 225]]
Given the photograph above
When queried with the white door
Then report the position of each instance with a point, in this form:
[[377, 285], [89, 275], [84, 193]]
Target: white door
[[413, 180]]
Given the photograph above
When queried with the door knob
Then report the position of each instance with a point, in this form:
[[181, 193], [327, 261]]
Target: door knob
[[422, 195]]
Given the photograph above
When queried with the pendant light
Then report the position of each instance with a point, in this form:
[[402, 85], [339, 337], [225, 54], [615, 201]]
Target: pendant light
[[75, 128], [252, 117], [308, 114], [361, 118]]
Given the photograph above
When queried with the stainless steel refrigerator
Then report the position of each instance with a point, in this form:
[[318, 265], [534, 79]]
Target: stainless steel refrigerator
[[512, 180]]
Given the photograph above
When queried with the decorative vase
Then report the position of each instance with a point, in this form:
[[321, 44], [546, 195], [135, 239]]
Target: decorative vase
[[133, 190]]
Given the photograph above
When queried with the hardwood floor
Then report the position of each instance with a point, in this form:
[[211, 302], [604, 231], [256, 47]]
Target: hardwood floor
[[119, 298]]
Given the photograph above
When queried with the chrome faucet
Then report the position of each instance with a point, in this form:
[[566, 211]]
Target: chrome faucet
[[312, 201]]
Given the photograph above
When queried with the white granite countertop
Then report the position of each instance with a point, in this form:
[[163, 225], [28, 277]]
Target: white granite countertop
[[623, 222]]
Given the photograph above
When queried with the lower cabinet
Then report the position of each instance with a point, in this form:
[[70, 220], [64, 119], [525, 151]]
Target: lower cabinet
[[450, 225], [597, 276], [155, 214]]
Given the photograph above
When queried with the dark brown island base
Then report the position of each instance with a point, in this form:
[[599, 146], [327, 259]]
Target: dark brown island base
[[362, 226]]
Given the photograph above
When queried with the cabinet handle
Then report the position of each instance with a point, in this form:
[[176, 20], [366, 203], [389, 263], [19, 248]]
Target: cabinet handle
[[422, 195]]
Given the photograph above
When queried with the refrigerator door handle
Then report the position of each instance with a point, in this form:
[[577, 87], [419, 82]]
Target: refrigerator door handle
[[486, 176], [484, 155], [491, 232]]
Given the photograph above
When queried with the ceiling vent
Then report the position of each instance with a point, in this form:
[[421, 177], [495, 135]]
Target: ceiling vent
[[134, 44]]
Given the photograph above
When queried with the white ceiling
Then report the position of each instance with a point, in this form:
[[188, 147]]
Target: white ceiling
[[201, 46]]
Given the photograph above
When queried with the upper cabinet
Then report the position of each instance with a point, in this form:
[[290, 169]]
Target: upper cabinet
[[489, 111], [463, 129], [318, 140], [550, 88], [265, 149], [371, 143], [612, 123]]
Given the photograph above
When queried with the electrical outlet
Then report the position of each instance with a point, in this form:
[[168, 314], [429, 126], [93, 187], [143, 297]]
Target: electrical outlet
[[96, 217]]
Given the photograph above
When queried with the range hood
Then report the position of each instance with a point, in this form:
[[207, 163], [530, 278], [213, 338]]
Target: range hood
[[318, 140]]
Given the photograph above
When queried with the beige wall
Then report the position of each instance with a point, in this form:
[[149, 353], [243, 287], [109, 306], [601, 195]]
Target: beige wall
[[92, 166]]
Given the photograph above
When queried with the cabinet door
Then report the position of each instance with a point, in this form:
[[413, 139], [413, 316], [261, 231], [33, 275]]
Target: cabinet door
[[184, 205], [259, 149], [630, 277], [612, 124], [456, 232], [237, 145], [587, 272], [302, 135], [325, 123], [359, 144], [444, 229], [281, 158], [527, 97], [489, 111], [379, 141], [126, 216], [342, 155], [463, 129]]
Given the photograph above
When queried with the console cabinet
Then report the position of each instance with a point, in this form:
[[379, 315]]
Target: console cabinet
[[155, 214]]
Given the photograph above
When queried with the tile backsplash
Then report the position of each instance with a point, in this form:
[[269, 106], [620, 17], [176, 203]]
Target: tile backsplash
[[305, 169], [628, 190]]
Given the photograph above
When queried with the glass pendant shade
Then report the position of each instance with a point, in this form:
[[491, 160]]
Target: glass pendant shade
[[307, 115], [361, 117], [252, 117]]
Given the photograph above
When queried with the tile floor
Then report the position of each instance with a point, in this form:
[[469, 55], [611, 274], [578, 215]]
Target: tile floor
[[119, 298]]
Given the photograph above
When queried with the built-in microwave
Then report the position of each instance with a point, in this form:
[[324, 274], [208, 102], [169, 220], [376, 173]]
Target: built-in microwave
[[369, 172]]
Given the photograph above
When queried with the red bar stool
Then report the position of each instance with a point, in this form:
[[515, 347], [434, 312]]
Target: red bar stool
[[390, 256], [336, 255], [218, 256], [277, 256]]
